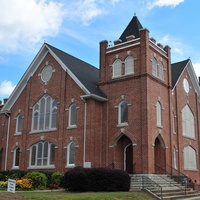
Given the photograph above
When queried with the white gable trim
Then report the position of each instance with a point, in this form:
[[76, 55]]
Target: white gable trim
[[193, 77], [23, 81], [31, 70]]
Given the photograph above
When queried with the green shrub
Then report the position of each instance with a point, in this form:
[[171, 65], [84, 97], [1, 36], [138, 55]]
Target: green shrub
[[3, 184], [56, 178], [39, 179]]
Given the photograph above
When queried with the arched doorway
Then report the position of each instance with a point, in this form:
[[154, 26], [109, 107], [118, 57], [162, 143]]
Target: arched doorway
[[124, 154], [128, 158], [160, 156]]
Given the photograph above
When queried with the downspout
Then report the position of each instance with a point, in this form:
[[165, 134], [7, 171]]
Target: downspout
[[7, 141], [84, 132]]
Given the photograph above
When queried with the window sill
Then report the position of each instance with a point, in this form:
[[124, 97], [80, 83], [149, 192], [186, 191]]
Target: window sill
[[195, 170], [43, 131], [71, 127], [42, 167], [70, 166], [17, 134], [158, 126], [122, 125], [121, 76], [15, 168], [188, 137]]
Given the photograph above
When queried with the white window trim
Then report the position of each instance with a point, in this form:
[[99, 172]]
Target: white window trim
[[17, 125], [113, 66], [14, 158], [68, 153], [125, 70], [121, 124], [188, 123], [48, 166], [71, 126], [189, 168], [45, 97], [159, 115]]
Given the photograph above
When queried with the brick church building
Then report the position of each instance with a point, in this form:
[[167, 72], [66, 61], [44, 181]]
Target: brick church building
[[137, 112]]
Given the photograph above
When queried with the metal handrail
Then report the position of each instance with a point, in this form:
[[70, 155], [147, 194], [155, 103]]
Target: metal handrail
[[179, 178], [149, 182]]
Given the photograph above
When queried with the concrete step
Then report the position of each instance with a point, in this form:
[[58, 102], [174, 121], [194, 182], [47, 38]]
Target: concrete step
[[170, 188]]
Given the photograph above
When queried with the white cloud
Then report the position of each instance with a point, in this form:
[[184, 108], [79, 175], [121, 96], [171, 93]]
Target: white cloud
[[26, 22], [86, 10], [6, 88], [161, 3], [197, 68]]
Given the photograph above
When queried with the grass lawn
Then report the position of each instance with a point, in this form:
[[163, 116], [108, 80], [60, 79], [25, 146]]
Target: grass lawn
[[82, 196]]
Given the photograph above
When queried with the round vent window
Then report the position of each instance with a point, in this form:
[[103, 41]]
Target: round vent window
[[186, 85], [46, 73]]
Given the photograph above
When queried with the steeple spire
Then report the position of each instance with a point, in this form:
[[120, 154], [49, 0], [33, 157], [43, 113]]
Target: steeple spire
[[133, 28]]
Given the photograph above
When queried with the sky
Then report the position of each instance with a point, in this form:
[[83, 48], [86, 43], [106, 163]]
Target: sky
[[77, 27]]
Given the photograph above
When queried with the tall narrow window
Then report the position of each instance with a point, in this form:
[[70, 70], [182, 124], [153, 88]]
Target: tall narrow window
[[188, 122], [123, 113], [71, 154], [129, 65], [72, 116], [190, 162], [154, 67], [44, 114], [18, 124], [173, 123], [16, 158], [161, 71], [117, 68], [159, 114], [175, 160], [42, 155]]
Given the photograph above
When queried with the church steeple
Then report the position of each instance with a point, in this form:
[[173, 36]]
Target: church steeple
[[133, 28]]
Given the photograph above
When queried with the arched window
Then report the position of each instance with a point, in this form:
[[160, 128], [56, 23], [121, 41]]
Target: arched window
[[154, 67], [72, 116], [42, 155], [16, 153], [123, 113], [188, 122], [71, 154], [18, 124], [129, 65], [117, 68], [158, 114], [44, 114], [190, 162], [161, 71]]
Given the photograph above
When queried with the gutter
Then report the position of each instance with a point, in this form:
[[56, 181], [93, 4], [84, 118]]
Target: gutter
[[94, 96]]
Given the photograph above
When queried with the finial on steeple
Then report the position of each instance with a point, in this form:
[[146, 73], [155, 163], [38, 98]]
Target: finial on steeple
[[134, 13]]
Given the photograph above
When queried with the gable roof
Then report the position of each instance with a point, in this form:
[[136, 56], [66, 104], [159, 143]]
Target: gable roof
[[178, 68], [87, 74], [84, 74], [133, 28]]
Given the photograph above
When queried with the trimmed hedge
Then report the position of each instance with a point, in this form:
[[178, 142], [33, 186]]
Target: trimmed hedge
[[96, 179]]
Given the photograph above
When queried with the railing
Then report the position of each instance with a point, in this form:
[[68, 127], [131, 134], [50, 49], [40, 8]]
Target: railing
[[174, 174], [150, 185]]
